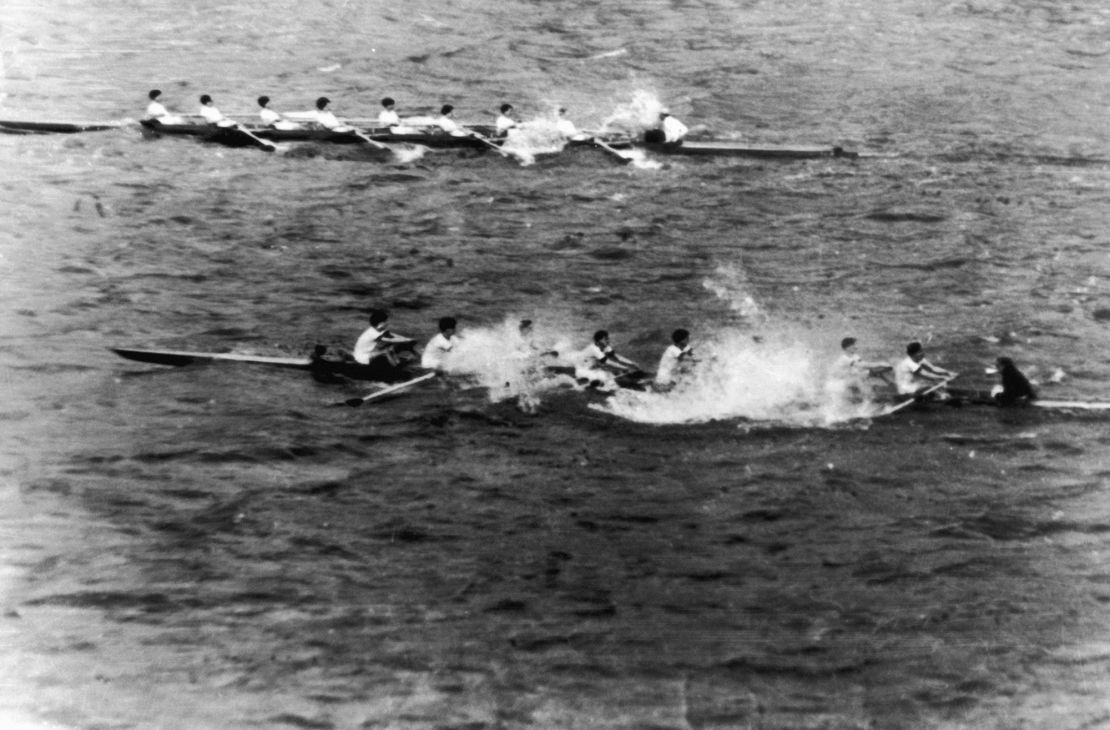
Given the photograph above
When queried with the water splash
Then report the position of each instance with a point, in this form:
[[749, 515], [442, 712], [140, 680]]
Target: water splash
[[636, 116], [510, 364], [775, 378]]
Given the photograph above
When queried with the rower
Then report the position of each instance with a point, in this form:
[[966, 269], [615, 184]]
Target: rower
[[851, 365], [159, 113], [272, 119], [377, 341], [601, 365], [504, 121], [673, 130], [675, 361], [388, 117], [1015, 388], [324, 117], [914, 373], [211, 114], [446, 122], [564, 126], [440, 346]]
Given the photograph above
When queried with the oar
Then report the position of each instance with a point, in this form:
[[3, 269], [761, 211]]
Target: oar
[[355, 402], [268, 146], [917, 396], [490, 143], [611, 151]]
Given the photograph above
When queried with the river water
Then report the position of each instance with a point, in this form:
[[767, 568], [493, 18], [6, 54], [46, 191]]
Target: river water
[[215, 546]]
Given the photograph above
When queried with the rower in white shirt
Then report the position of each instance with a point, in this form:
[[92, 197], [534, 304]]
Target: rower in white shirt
[[272, 119], [439, 347], [211, 114], [504, 121], [564, 126], [159, 113], [447, 124], [674, 362], [600, 365], [324, 117], [388, 117], [377, 341], [914, 373], [673, 130]]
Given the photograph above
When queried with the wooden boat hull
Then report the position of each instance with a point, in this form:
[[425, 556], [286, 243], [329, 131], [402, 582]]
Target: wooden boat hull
[[321, 368], [226, 136], [17, 127], [724, 148]]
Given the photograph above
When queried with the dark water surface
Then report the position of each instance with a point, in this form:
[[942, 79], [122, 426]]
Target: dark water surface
[[214, 546]]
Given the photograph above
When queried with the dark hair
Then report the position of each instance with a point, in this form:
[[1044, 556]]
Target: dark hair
[[322, 102], [377, 316], [847, 342], [524, 323], [387, 101], [446, 109], [447, 323], [600, 335], [1004, 362], [154, 93], [913, 348], [205, 98], [506, 107], [263, 100], [679, 335]]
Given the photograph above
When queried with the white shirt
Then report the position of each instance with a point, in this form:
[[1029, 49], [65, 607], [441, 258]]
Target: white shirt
[[673, 130], [367, 345], [906, 379], [505, 123], [669, 364], [566, 127], [155, 110], [435, 352], [449, 125], [211, 114], [272, 119], [326, 119], [388, 118]]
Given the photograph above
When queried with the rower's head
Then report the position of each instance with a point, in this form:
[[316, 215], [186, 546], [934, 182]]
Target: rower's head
[[446, 110], [1005, 363], [447, 325], [154, 94], [680, 337], [378, 317], [388, 102], [562, 110], [263, 101], [525, 326], [915, 351], [663, 114], [322, 102], [205, 99], [601, 337], [506, 108], [847, 344]]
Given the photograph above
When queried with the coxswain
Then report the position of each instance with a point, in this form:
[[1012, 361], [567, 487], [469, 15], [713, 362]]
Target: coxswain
[[601, 365], [440, 346], [388, 117], [272, 119], [914, 373], [159, 113], [211, 114], [377, 341], [1015, 388], [446, 122], [504, 121], [673, 130]]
